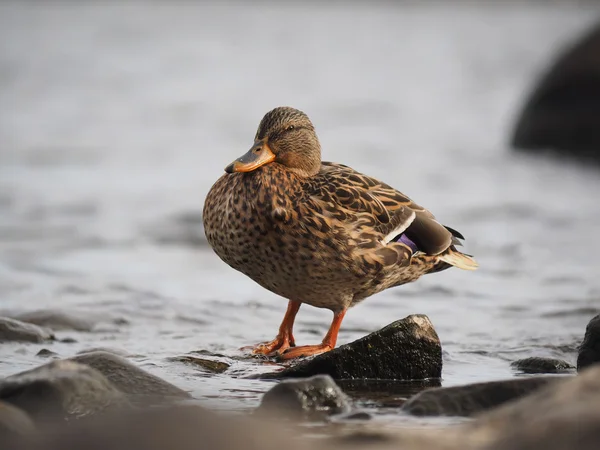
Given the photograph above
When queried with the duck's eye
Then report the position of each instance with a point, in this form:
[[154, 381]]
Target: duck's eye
[[290, 128]]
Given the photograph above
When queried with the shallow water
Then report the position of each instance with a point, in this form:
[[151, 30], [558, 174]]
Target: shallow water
[[116, 120]]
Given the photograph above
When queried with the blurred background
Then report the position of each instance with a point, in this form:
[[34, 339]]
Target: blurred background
[[117, 117]]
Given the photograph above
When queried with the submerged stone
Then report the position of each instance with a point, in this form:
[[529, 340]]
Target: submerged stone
[[589, 350], [45, 353], [61, 390], [471, 399], [408, 349], [138, 384], [542, 365], [207, 364], [311, 398], [12, 330]]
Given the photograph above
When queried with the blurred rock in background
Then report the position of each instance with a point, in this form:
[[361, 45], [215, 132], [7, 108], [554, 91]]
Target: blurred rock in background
[[563, 112]]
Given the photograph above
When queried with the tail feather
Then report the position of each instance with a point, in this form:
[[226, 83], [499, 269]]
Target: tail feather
[[458, 259]]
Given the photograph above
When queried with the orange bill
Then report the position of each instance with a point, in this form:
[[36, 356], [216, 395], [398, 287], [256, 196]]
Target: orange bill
[[259, 155]]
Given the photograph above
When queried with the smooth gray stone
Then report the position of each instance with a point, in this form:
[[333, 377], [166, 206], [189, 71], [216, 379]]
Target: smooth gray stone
[[471, 399]]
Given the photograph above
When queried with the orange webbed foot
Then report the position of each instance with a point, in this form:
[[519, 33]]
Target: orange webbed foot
[[277, 345], [303, 351]]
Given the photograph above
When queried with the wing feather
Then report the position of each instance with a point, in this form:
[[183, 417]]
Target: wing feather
[[375, 210]]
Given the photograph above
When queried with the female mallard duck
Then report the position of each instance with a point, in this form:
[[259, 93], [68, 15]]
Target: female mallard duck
[[318, 232]]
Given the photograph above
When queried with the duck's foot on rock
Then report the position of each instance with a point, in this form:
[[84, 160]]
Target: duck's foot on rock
[[408, 349], [271, 348], [304, 350]]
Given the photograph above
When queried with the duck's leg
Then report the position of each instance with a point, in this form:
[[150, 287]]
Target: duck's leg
[[327, 344], [285, 338]]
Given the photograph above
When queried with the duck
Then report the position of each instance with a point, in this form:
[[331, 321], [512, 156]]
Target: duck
[[316, 232]]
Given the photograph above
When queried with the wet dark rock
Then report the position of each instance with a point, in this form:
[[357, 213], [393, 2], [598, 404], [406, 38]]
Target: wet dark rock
[[473, 398], [14, 422], [45, 353], [589, 351], [60, 390], [562, 112], [561, 415], [207, 364], [139, 385], [542, 365], [408, 349], [12, 330], [311, 398], [67, 320]]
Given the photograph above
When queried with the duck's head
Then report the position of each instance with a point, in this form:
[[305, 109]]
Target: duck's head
[[285, 136]]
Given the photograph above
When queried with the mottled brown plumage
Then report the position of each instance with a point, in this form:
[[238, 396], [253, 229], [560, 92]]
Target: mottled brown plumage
[[318, 232]]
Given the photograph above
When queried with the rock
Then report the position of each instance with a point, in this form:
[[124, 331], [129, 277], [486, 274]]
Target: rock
[[186, 427], [574, 427], [561, 415], [470, 399], [542, 365], [311, 398], [63, 320], [45, 353], [114, 351], [139, 385], [589, 350], [14, 422], [60, 390], [15, 331], [206, 364], [562, 112], [408, 349]]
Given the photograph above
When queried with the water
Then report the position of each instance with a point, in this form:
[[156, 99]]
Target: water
[[117, 119]]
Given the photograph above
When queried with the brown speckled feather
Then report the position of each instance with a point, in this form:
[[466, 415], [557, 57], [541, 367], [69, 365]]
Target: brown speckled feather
[[320, 239]]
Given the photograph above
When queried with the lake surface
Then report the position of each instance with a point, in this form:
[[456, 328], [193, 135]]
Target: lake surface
[[116, 120]]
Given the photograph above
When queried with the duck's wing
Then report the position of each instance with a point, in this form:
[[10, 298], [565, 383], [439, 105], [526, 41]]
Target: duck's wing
[[374, 211]]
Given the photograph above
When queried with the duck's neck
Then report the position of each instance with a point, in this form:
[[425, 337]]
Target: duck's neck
[[276, 176], [271, 186], [304, 160]]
